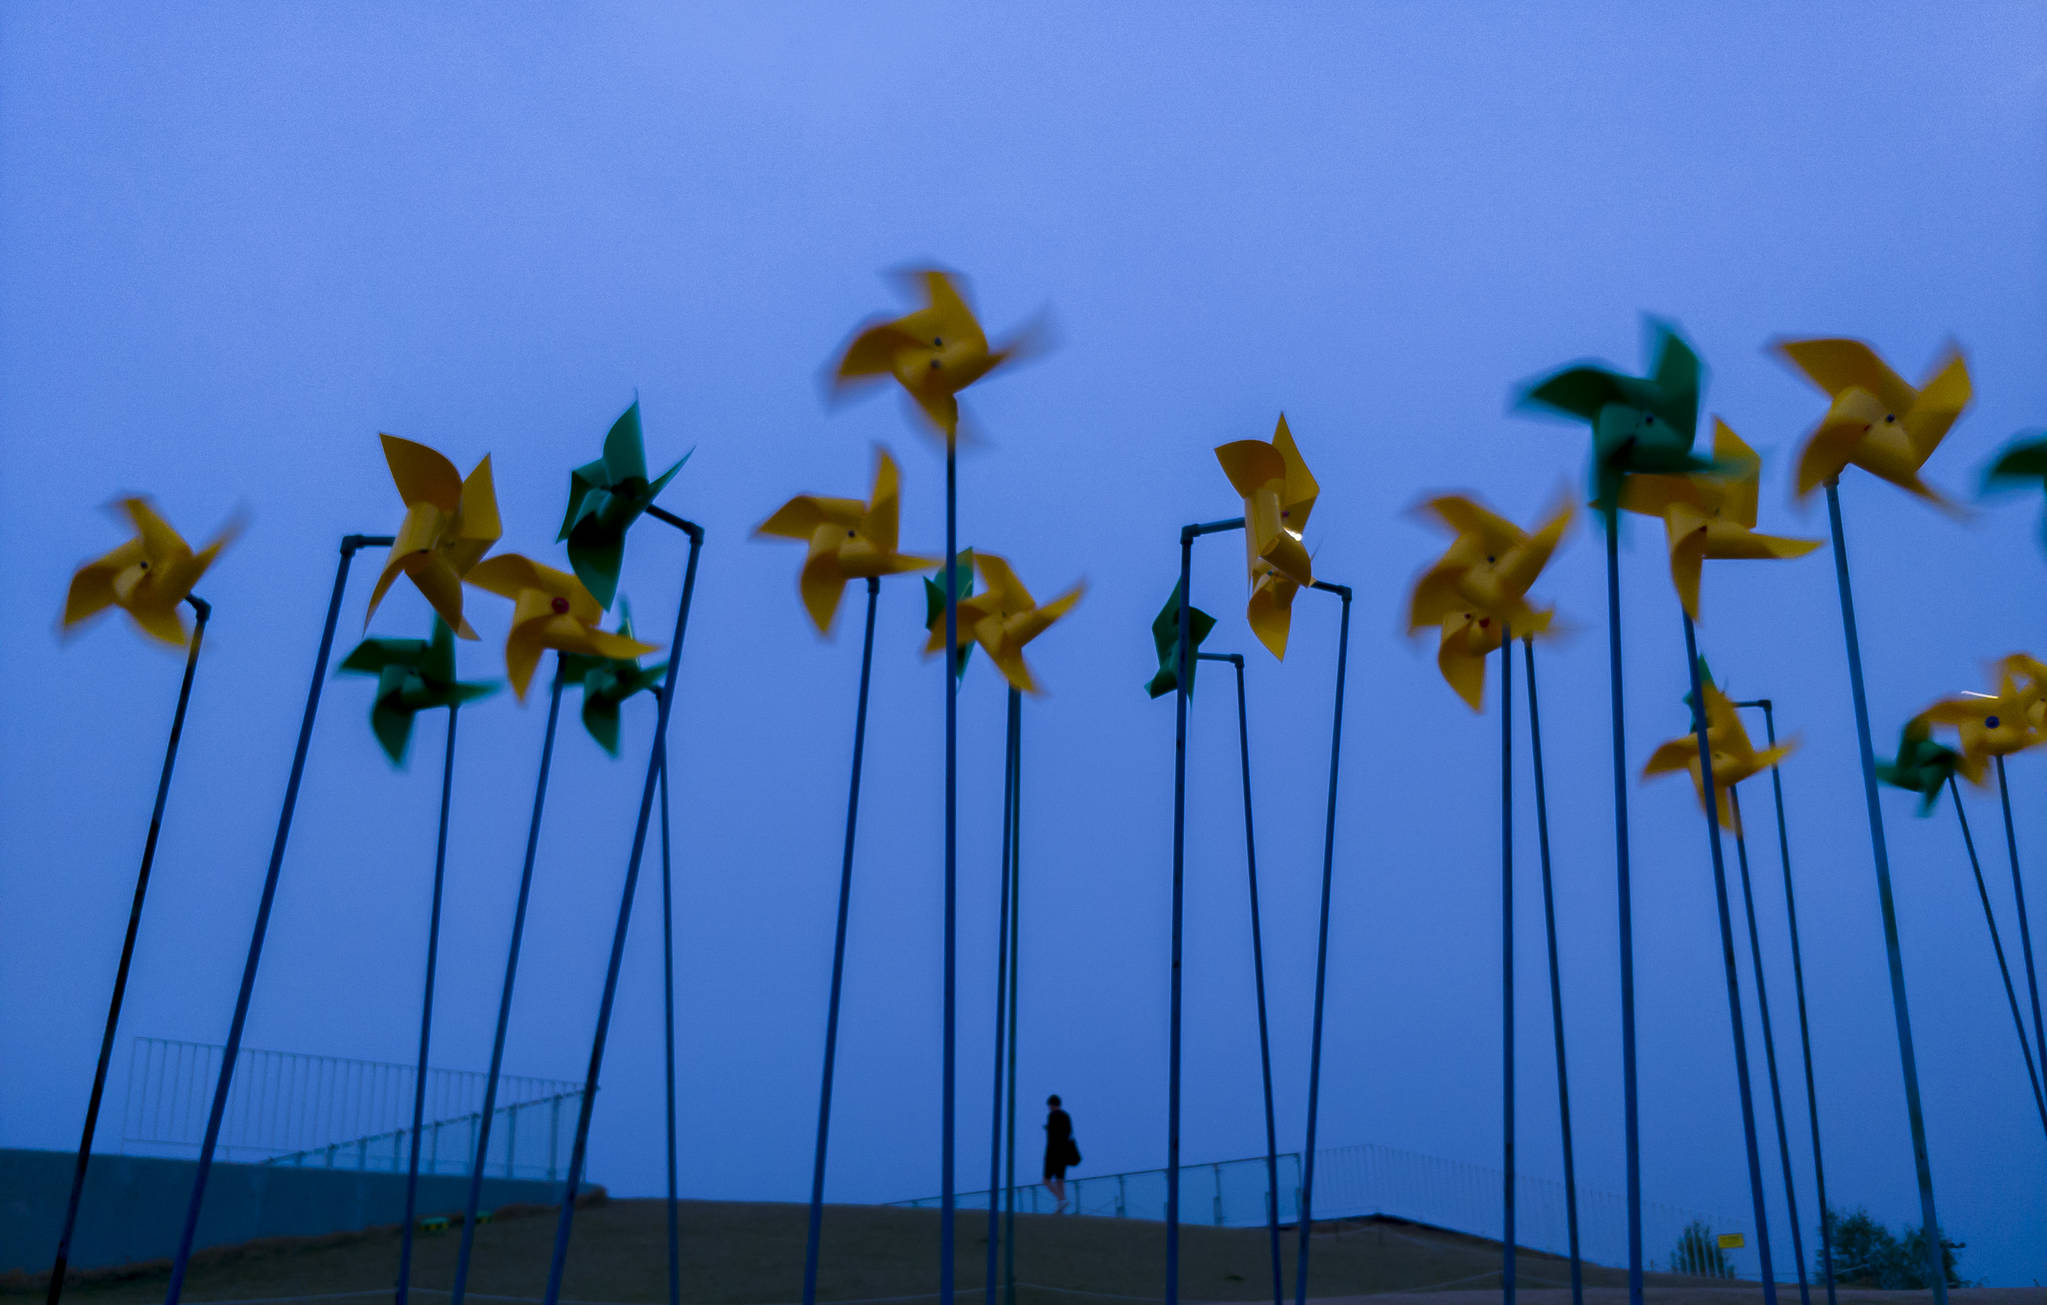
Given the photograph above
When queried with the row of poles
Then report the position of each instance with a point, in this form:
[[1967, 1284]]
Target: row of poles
[[655, 785], [934, 353]]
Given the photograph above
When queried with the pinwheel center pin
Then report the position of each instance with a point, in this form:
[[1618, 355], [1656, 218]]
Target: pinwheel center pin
[[560, 606], [1991, 721]]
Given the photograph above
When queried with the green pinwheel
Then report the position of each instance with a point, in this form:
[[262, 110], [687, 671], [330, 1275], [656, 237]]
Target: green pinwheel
[[934, 603], [608, 681], [1640, 424], [413, 675], [1165, 637], [1921, 766], [605, 498], [2023, 462]]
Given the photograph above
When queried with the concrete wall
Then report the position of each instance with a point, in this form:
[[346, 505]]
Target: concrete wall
[[134, 1206]]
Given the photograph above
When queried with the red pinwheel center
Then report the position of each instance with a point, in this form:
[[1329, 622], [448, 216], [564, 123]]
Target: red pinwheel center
[[1485, 622], [560, 605]]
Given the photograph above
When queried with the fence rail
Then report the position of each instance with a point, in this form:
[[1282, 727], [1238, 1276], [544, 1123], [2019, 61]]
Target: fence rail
[[1354, 1181], [297, 1109]]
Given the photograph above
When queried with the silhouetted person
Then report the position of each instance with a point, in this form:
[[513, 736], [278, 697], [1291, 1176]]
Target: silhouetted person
[[1060, 1150]]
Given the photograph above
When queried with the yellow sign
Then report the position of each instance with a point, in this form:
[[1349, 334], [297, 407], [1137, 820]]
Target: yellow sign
[[1731, 1242]]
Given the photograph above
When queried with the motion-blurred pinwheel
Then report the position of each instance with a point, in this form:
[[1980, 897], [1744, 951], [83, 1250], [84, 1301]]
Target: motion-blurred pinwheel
[[450, 523], [607, 683], [1734, 757], [2022, 462], [551, 609], [147, 577], [1003, 618], [1165, 637], [934, 352], [1876, 421], [1640, 425], [1278, 494], [849, 540], [1480, 583], [934, 605], [1921, 766], [1990, 725], [1710, 514], [413, 675], [605, 498]]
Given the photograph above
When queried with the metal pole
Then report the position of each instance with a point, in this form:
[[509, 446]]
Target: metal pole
[[1556, 990], [1182, 669], [426, 1013], [946, 1198], [1630, 1114], [2018, 889], [1755, 946], [1001, 1010], [1507, 952], [349, 544], [831, 1024], [657, 758], [1997, 946], [1322, 946], [668, 1023], [1258, 979], [1741, 1070], [1015, 970], [202, 610], [497, 1046], [1908, 1061], [1812, 1104]]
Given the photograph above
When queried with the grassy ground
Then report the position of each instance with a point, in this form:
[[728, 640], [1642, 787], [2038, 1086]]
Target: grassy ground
[[752, 1254]]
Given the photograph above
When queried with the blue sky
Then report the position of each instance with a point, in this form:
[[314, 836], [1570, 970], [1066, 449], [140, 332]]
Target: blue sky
[[237, 242]]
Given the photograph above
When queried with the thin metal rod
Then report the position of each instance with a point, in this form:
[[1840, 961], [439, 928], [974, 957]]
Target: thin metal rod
[[657, 760], [1182, 671], [202, 610], [2018, 890], [1507, 955], [349, 544], [1734, 1015], [1015, 970], [1908, 1061], [1258, 982], [1997, 945], [497, 1045], [1001, 1007], [831, 1020], [1812, 1100], [947, 1198], [1322, 949], [426, 1013], [668, 1029], [1755, 947], [1630, 1114], [1556, 988]]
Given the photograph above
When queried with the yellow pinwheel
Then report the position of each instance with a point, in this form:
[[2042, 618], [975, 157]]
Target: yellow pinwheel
[[1278, 494], [1993, 725], [552, 610], [147, 577], [1003, 618], [1710, 514], [1734, 757], [450, 523], [934, 353], [1479, 586], [849, 540], [1876, 421]]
